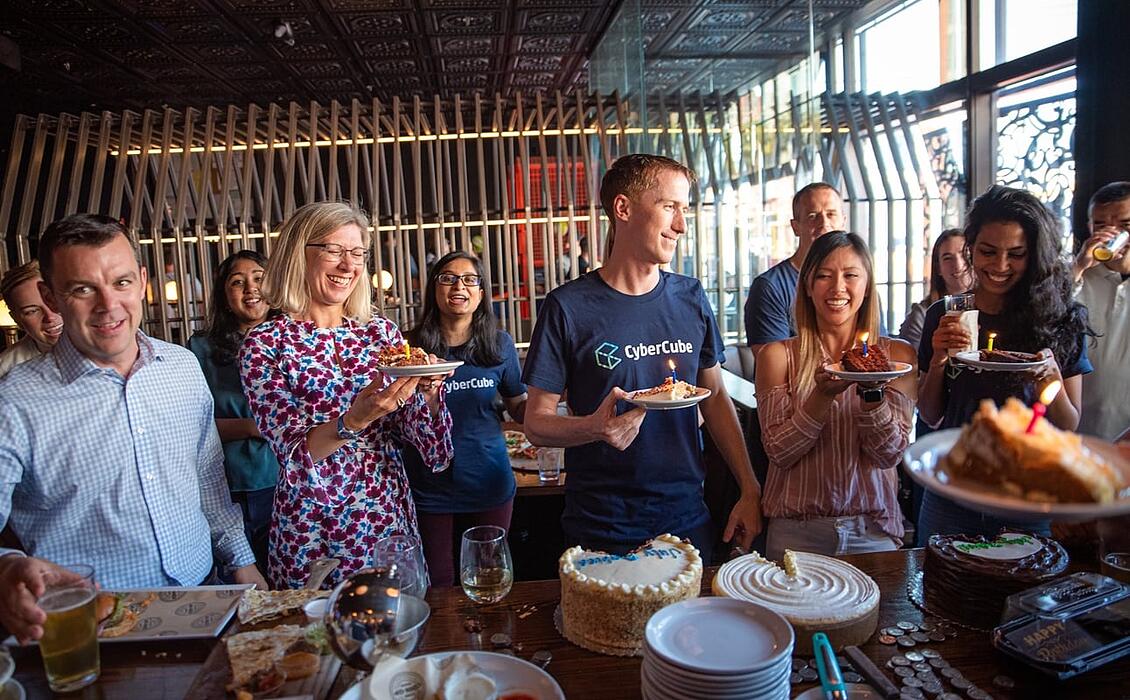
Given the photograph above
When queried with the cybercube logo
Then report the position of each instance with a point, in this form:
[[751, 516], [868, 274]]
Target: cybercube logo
[[606, 356]]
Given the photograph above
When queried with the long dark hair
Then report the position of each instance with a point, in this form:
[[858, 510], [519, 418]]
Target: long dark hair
[[937, 281], [223, 326], [483, 347], [1040, 312]]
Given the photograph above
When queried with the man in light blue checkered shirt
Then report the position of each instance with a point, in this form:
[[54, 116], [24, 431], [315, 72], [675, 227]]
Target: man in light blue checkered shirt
[[108, 447]]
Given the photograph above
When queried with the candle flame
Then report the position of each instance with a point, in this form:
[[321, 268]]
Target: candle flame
[[671, 364], [1050, 392], [864, 336], [992, 335]]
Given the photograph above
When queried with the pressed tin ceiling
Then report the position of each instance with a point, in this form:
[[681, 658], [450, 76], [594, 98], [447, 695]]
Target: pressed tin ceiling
[[136, 54]]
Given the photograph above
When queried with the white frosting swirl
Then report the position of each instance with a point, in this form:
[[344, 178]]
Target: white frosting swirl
[[825, 590]]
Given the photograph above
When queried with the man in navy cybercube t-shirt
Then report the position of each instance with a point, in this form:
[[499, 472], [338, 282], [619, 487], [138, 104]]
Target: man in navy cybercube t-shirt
[[634, 476]]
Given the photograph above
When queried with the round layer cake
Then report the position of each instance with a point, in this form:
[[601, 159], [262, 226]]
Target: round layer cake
[[606, 599], [967, 578], [814, 593]]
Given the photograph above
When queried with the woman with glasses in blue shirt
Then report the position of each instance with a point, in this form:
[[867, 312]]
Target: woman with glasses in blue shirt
[[478, 488]]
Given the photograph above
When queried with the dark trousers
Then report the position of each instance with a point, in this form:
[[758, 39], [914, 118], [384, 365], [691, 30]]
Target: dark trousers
[[442, 537], [256, 507]]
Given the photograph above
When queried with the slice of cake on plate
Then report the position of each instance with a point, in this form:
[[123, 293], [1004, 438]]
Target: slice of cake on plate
[[1046, 465], [394, 356], [853, 360], [670, 390], [607, 599]]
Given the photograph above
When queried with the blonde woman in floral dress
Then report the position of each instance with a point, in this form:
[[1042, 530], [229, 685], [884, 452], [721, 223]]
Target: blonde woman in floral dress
[[335, 422]]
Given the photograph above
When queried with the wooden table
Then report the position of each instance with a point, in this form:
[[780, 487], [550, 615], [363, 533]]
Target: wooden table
[[147, 670]]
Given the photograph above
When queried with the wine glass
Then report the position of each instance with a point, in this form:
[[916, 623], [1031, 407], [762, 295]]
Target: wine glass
[[407, 554], [485, 568]]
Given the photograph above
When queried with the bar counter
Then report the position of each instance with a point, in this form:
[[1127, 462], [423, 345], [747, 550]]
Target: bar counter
[[145, 670]]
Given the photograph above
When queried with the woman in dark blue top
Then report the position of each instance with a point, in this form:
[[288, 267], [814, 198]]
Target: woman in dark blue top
[[252, 470], [1023, 294], [478, 488]]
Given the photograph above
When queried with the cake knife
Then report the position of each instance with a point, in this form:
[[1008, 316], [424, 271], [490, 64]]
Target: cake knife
[[871, 673]]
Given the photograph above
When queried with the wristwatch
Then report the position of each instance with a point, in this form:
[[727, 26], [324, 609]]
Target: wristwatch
[[344, 433], [870, 394]]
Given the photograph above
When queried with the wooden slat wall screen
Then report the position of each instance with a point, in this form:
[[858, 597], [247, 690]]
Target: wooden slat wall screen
[[434, 175]]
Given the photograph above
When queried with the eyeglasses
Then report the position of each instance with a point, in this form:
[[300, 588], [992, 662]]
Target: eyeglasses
[[332, 252], [447, 279]]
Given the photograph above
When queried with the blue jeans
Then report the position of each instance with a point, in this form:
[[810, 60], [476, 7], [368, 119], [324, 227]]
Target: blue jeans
[[941, 516], [256, 507]]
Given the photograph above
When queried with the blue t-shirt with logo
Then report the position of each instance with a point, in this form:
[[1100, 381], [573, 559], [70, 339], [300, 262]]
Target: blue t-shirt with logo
[[480, 477], [589, 338]]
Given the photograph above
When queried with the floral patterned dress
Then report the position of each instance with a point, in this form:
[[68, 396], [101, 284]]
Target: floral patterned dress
[[296, 376]]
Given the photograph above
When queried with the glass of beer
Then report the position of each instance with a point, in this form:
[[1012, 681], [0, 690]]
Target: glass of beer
[[485, 568], [69, 645]]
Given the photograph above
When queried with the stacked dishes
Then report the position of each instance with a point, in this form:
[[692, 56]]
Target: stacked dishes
[[719, 648]]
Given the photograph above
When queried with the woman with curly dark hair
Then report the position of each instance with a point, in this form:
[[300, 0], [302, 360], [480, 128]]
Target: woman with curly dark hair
[[1023, 294], [479, 487], [236, 307]]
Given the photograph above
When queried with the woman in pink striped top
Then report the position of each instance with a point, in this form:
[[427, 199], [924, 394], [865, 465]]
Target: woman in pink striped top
[[832, 484]]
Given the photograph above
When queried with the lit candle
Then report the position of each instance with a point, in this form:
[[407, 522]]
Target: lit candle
[[863, 339], [1041, 406], [992, 337], [671, 364], [407, 351]]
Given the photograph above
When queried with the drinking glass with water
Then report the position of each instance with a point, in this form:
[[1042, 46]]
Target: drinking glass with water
[[69, 645], [550, 460], [485, 567], [964, 307]]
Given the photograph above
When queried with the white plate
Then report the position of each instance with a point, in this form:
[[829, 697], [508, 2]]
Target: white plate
[[508, 672], [421, 370], [973, 359], [922, 460], [654, 403], [900, 368], [702, 685], [855, 691], [698, 634]]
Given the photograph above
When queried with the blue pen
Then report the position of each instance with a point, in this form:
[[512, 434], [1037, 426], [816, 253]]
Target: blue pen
[[831, 680]]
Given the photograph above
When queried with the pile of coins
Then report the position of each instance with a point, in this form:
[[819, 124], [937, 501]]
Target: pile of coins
[[925, 674], [503, 644], [804, 670], [908, 635]]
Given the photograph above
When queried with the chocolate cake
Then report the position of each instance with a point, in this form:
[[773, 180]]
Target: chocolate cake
[[967, 578], [875, 360], [1008, 356]]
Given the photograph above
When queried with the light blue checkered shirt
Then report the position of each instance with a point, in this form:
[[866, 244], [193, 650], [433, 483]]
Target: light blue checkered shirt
[[126, 475]]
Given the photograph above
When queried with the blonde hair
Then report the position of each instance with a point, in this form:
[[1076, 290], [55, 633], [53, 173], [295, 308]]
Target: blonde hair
[[631, 176], [809, 354], [284, 279], [14, 278]]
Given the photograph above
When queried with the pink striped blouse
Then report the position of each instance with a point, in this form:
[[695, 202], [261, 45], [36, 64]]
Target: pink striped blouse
[[840, 465]]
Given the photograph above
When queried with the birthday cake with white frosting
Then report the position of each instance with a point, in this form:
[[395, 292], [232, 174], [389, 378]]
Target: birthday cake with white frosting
[[607, 599], [813, 592]]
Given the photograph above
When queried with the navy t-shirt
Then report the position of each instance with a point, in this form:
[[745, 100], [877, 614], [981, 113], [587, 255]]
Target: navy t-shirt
[[771, 303], [589, 338], [480, 477], [964, 387]]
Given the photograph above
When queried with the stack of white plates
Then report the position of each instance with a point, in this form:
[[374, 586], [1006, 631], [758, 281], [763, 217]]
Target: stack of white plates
[[718, 648]]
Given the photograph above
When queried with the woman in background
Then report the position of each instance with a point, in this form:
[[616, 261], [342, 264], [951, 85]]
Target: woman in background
[[479, 487], [1023, 294], [832, 486], [236, 307], [335, 422], [949, 274]]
